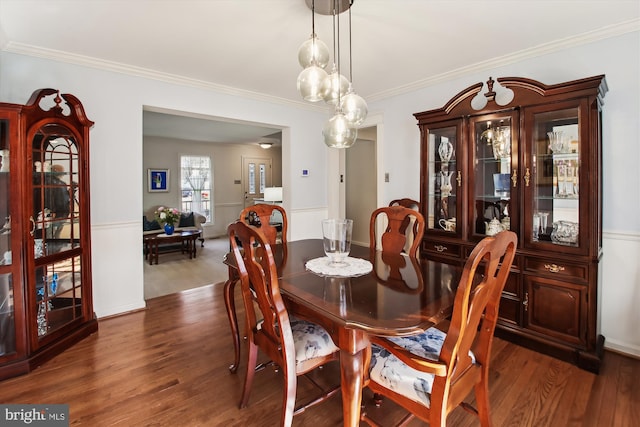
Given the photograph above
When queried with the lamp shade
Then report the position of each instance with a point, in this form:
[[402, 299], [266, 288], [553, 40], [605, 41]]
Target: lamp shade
[[273, 194], [313, 51], [335, 86], [354, 107], [338, 132], [310, 82]]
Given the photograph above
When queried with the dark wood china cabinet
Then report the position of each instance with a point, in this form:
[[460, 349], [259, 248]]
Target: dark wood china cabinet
[[45, 271], [526, 157]]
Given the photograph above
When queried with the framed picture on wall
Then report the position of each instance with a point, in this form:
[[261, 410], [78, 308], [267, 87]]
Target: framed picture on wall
[[158, 180]]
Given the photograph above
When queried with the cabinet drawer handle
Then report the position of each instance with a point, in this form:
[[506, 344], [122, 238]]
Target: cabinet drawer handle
[[554, 268], [526, 301], [514, 178], [459, 179], [527, 177], [440, 248]]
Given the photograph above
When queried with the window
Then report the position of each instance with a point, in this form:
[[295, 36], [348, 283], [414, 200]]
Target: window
[[195, 179]]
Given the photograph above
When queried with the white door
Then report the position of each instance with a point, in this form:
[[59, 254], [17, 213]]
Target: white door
[[257, 175], [360, 185]]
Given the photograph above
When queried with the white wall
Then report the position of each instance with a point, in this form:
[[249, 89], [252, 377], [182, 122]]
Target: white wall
[[619, 59], [114, 101]]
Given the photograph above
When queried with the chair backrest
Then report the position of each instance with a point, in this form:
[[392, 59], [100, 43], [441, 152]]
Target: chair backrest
[[411, 204], [270, 219], [407, 203], [475, 309], [397, 237], [259, 281]]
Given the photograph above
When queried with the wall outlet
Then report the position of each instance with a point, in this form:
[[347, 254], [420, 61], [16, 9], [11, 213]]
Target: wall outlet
[[386, 177]]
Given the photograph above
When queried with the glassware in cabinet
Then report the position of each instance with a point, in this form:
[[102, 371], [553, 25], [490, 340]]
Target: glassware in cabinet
[[555, 177], [443, 179], [491, 175]]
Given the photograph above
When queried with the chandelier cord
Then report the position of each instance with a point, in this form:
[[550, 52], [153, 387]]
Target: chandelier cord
[[335, 11], [313, 25], [350, 54]]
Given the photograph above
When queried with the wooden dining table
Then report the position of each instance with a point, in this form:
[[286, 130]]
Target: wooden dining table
[[400, 296]]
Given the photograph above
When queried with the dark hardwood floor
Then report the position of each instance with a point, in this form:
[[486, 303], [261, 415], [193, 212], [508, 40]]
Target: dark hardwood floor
[[167, 366]]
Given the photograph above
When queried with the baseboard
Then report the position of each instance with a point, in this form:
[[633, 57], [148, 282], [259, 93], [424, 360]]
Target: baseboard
[[622, 348]]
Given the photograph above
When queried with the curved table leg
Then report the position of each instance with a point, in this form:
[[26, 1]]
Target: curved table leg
[[351, 367], [230, 304]]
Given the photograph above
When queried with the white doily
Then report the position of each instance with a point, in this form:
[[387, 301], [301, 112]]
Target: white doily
[[354, 267]]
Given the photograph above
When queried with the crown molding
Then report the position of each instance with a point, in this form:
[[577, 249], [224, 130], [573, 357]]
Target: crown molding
[[91, 62], [557, 45], [543, 49]]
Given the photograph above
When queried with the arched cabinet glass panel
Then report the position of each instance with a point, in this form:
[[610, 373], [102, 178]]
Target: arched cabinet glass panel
[[56, 228]]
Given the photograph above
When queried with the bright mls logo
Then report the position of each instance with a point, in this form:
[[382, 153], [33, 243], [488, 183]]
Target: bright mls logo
[[34, 415]]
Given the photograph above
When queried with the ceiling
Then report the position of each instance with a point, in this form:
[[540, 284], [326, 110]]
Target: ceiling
[[250, 47]]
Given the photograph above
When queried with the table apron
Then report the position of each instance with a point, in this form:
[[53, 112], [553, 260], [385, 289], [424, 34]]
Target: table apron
[[349, 339]]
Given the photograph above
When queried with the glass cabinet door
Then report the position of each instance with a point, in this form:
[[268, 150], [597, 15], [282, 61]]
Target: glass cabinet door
[[443, 181], [56, 229], [492, 176], [7, 313], [554, 169]]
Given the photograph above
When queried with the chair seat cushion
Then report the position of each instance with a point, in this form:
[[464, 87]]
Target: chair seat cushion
[[388, 371], [311, 340]]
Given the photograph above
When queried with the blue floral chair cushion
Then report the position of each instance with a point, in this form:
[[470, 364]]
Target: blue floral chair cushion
[[310, 340], [387, 370]]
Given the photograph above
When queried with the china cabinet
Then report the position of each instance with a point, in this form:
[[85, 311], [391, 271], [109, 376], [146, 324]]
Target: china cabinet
[[527, 157], [45, 270]]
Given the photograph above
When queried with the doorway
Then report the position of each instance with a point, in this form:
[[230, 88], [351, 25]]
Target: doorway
[[361, 183]]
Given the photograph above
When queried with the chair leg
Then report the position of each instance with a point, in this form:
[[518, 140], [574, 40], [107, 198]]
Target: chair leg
[[377, 399], [437, 411], [289, 397], [252, 357], [230, 304], [482, 401]]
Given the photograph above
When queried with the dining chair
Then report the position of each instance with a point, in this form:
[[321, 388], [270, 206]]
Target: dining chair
[[296, 346], [397, 236], [407, 203], [270, 219], [431, 373]]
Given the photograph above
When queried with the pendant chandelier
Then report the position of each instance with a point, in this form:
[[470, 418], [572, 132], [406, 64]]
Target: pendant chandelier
[[314, 84]]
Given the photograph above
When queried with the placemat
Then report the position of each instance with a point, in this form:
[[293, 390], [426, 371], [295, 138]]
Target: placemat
[[354, 267]]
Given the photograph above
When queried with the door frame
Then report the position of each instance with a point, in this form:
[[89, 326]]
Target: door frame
[[337, 206]]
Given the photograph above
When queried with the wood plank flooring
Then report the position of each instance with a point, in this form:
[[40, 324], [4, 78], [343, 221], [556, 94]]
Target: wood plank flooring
[[167, 366]]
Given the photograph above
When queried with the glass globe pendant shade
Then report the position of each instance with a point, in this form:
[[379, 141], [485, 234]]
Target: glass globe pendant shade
[[338, 132], [313, 50], [354, 107], [334, 86], [310, 82]]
